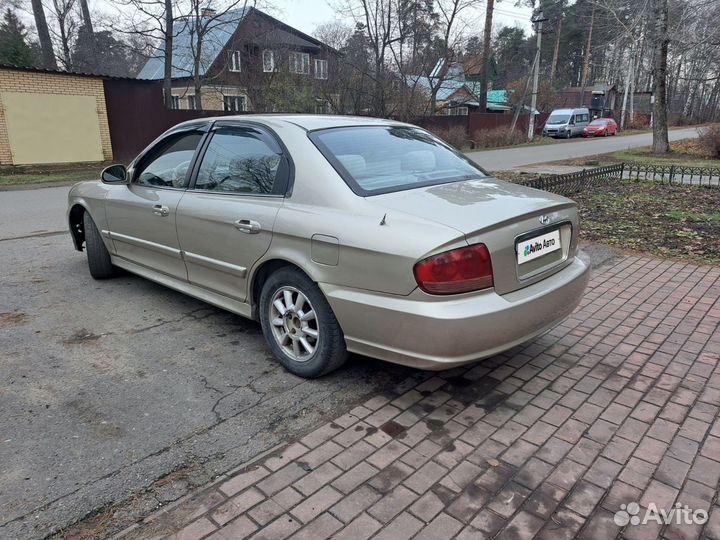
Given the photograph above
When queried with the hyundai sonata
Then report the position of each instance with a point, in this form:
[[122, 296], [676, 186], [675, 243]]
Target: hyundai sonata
[[339, 235]]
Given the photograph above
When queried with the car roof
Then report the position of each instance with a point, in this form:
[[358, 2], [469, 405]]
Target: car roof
[[307, 122]]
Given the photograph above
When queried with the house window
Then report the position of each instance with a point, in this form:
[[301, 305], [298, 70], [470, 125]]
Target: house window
[[321, 69], [299, 63], [192, 103], [234, 103], [175, 102], [268, 61], [456, 111], [234, 60]]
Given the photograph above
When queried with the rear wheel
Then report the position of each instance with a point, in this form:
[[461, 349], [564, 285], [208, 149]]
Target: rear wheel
[[299, 325], [98, 256]]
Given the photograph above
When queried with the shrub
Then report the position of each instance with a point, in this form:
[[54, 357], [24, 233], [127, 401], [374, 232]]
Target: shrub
[[709, 140], [453, 135], [501, 136]]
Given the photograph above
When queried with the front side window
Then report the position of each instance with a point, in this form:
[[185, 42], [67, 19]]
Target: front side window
[[169, 164], [234, 61], [234, 103], [321, 69], [268, 58], [382, 159], [242, 161], [299, 63]]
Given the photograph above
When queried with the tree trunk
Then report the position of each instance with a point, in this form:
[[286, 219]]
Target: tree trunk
[[197, 81], [87, 21], [482, 98], [167, 74], [556, 48], [626, 92], [46, 48], [586, 59], [660, 52]]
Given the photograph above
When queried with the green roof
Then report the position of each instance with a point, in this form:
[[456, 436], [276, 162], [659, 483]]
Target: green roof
[[493, 96]]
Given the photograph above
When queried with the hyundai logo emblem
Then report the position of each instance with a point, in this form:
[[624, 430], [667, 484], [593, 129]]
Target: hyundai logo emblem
[[544, 220]]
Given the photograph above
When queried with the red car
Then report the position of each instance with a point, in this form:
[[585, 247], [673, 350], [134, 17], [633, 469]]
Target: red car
[[600, 126]]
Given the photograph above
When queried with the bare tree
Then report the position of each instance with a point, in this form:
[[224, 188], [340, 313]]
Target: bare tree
[[154, 21], [67, 23]]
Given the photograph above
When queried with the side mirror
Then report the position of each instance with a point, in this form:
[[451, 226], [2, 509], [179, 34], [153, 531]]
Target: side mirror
[[114, 174]]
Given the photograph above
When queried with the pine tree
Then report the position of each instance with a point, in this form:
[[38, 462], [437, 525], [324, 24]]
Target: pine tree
[[14, 48]]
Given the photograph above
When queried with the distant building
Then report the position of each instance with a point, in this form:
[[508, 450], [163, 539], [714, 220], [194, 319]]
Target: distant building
[[602, 98], [458, 88], [249, 61]]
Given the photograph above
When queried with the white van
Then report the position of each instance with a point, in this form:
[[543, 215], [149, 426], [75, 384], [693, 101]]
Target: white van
[[566, 123]]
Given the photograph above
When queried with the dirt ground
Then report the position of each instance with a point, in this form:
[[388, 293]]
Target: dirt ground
[[677, 221]]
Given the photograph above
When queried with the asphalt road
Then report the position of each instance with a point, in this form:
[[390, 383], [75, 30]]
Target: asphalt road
[[508, 158], [110, 385]]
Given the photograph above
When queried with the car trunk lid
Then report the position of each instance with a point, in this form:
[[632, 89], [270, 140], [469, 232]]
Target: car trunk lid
[[506, 217]]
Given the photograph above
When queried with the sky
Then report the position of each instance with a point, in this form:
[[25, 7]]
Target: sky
[[306, 15]]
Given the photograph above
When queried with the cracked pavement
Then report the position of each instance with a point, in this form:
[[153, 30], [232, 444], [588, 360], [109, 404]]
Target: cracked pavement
[[109, 386]]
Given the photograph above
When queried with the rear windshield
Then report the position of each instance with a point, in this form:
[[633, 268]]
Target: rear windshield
[[382, 159]]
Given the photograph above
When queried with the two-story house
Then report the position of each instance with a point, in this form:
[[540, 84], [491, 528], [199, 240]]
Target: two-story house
[[248, 61]]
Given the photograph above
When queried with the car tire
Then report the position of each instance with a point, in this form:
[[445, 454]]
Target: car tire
[[98, 256], [329, 349], [568, 135]]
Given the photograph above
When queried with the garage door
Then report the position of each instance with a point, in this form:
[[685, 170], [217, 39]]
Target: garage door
[[52, 128]]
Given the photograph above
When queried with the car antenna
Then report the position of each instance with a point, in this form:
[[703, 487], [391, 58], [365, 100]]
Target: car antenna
[[383, 221]]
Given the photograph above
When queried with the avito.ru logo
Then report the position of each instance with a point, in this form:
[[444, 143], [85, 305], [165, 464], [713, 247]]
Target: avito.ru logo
[[680, 515]]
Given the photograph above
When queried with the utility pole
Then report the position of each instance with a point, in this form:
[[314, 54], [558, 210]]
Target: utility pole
[[536, 76], [485, 60]]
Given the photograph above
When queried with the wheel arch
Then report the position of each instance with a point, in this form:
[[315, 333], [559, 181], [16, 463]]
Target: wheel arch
[[262, 273], [77, 227]]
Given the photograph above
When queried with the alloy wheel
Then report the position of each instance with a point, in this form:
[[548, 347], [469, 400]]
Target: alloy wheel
[[294, 323]]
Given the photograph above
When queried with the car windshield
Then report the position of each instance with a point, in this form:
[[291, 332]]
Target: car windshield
[[599, 123], [382, 159], [558, 119]]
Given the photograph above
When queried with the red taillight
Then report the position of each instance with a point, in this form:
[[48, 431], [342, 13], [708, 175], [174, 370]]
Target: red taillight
[[456, 271]]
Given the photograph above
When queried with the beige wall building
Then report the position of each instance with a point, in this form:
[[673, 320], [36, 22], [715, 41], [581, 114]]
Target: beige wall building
[[51, 117]]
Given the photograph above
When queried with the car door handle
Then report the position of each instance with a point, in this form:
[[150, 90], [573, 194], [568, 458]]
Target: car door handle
[[247, 226], [160, 210]]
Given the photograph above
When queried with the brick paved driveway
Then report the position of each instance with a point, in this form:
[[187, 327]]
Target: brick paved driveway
[[618, 404]]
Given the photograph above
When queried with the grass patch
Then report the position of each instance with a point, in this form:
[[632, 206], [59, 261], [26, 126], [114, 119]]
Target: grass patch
[[668, 220], [40, 174]]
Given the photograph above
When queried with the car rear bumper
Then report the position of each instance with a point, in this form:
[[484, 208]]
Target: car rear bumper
[[441, 332]]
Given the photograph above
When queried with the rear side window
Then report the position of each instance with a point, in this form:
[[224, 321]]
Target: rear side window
[[382, 159], [242, 160]]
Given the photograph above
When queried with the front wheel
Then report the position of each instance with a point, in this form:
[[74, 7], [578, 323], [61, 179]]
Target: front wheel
[[98, 256], [299, 325]]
